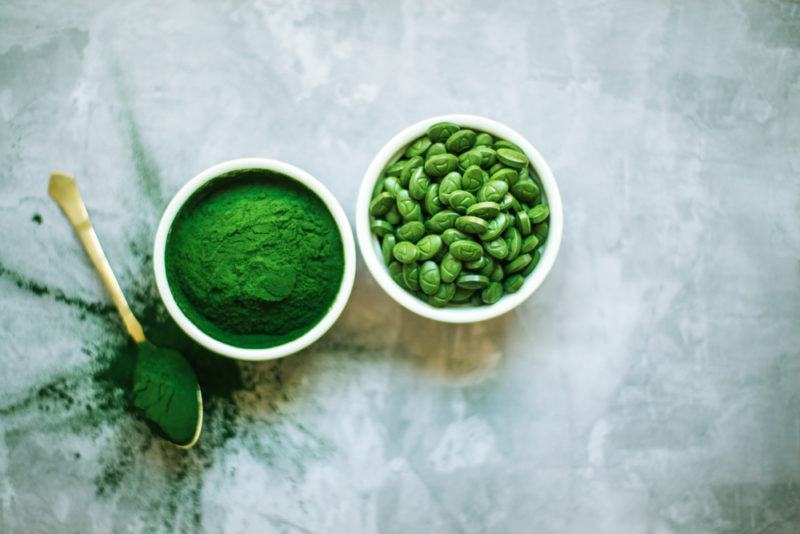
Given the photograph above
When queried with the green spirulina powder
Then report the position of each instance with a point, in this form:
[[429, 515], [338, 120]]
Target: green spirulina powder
[[254, 259]]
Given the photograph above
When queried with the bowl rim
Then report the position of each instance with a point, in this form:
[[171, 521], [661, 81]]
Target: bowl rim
[[370, 249], [213, 344]]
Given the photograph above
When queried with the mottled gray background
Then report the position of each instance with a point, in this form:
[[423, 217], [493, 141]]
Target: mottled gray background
[[650, 386]]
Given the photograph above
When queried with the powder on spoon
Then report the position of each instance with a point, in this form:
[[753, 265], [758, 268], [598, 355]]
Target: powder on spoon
[[254, 259], [165, 389]]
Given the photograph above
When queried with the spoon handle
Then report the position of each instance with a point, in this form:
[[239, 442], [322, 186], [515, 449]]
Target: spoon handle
[[65, 192]]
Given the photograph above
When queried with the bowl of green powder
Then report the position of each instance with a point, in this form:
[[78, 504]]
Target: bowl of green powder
[[254, 259], [459, 218]]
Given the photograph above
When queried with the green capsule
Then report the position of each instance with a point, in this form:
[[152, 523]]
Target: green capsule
[[418, 147], [468, 159], [432, 203], [381, 228], [512, 158], [502, 143], [451, 235], [429, 279], [476, 299], [428, 246], [488, 156], [492, 293], [484, 139], [418, 184], [449, 268], [440, 164], [416, 214], [410, 165], [523, 222], [497, 247], [513, 283], [539, 213], [408, 208], [512, 219], [488, 269], [507, 175], [443, 295], [514, 242], [460, 141], [525, 190], [462, 295], [496, 227], [472, 281], [541, 230], [492, 191], [478, 264], [461, 200], [378, 189], [484, 210], [518, 264], [469, 224], [436, 149], [411, 231], [380, 204], [509, 202], [529, 244], [405, 252], [497, 274], [449, 185], [392, 185], [496, 168], [442, 130], [411, 275], [532, 265], [441, 221], [387, 245], [393, 216], [395, 168], [472, 180], [466, 250], [396, 272]]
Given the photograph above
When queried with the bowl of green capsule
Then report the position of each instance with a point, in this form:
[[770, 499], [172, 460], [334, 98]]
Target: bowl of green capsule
[[459, 218]]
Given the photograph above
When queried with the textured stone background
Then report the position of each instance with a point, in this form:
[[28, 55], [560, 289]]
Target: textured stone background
[[650, 386]]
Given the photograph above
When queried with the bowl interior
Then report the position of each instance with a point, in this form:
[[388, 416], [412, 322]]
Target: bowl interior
[[205, 339], [370, 246]]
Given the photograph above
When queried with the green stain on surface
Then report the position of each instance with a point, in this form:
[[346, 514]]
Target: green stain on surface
[[37, 218], [219, 378], [41, 290], [148, 176], [147, 173], [94, 400]]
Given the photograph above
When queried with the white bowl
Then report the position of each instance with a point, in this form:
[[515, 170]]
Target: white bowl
[[370, 247], [231, 350]]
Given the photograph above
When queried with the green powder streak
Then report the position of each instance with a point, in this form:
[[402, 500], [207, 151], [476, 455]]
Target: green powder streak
[[254, 259], [38, 289]]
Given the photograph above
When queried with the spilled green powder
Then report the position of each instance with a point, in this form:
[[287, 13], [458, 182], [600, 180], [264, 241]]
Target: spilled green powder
[[254, 259], [219, 377]]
